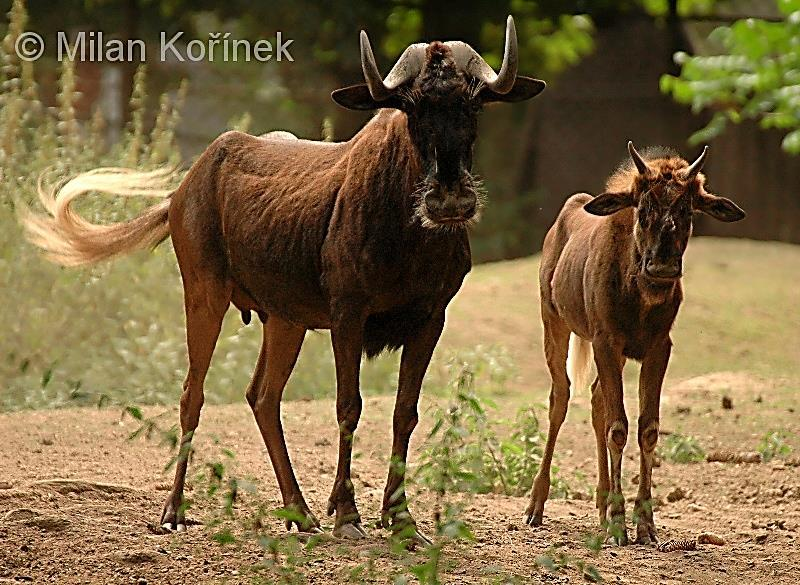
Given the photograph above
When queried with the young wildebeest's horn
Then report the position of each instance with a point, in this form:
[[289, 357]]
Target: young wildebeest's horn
[[407, 67], [469, 61], [640, 163], [697, 165]]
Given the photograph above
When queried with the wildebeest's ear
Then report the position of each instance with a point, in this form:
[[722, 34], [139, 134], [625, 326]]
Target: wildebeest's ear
[[357, 97], [608, 203], [524, 89], [719, 208]]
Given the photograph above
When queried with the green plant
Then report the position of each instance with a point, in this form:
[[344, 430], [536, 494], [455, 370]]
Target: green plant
[[755, 75], [679, 448], [773, 444], [556, 560], [473, 455]]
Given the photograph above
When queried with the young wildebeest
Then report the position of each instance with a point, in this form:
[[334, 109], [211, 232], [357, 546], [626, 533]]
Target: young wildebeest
[[611, 287], [367, 238]]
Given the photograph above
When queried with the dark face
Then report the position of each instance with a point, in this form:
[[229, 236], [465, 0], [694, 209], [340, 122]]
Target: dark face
[[443, 125], [663, 227], [441, 87], [664, 195]]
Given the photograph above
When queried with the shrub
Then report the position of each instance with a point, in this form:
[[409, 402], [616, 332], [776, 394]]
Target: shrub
[[773, 444], [467, 453], [679, 448]]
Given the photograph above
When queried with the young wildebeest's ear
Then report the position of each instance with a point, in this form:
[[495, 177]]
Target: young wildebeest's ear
[[718, 207], [608, 203], [357, 97], [524, 89]]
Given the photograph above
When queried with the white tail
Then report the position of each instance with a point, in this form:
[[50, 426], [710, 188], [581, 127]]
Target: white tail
[[70, 240], [579, 363]]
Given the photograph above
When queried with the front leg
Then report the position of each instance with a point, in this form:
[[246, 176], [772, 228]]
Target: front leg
[[654, 366], [417, 354], [610, 361], [347, 337]]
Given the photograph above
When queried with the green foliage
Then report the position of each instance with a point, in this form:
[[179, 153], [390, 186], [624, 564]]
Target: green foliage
[[552, 42], [468, 453], [755, 76], [491, 367], [113, 330], [774, 444], [556, 560], [679, 448], [549, 40], [685, 7]]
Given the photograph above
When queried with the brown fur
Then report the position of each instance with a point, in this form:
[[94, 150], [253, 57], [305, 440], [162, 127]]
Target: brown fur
[[614, 282]]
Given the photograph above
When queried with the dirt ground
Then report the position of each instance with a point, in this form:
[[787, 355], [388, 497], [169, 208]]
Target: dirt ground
[[97, 530]]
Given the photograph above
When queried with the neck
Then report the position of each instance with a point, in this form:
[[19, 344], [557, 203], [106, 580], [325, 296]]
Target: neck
[[385, 157]]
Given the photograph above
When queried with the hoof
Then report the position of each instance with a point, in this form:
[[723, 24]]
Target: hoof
[[646, 534], [350, 531], [174, 527], [532, 518], [307, 535], [534, 514], [617, 537], [420, 539], [298, 514], [309, 524]]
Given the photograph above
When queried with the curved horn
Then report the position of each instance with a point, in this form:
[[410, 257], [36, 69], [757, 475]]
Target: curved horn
[[640, 163], [408, 66], [697, 165], [508, 70], [372, 76], [469, 61]]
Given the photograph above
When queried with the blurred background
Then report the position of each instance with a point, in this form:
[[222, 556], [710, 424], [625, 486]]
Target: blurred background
[[679, 73]]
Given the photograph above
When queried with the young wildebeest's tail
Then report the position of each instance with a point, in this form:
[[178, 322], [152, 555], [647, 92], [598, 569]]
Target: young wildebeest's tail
[[70, 240], [579, 362]]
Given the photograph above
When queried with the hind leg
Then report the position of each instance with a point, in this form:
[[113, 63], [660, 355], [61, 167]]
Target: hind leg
[[206, 301], [610, 361], [599, 425], [556, 346], [279, 351], [654, 366]]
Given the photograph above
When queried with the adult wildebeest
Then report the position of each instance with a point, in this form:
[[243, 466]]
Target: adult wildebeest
[[366, 238], [611, 286]]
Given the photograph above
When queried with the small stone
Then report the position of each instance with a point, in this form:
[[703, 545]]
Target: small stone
[[511, 527], [141, 581], [676, 495], [20, 514], [4, 485], [727, 403]]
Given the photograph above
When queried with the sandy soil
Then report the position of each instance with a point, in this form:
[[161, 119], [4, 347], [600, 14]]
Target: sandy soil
[[98, 530]]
